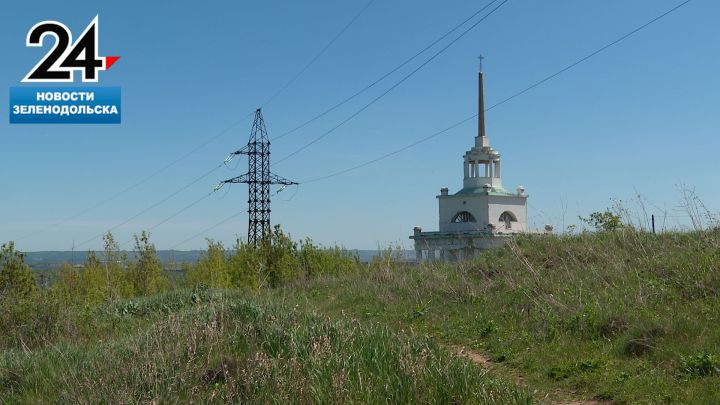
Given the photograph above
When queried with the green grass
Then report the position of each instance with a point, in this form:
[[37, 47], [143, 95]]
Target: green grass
[[228, 347], [624, 316]]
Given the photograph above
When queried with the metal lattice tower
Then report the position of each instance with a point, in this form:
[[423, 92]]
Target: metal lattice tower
[[258, 178]]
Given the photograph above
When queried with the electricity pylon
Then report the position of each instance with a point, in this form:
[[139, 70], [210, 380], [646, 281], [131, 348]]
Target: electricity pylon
[[258, 178]]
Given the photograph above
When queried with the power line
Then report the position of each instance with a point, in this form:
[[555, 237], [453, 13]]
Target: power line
[[383, 77], [332, 108], [536, 84], [185, 187], [373, 101], [281, 90], [208, 229], [164, 221], [579, 61], [367, 87], [532, 86], [187, 207], [135, 185], [207, 142], [318, 55], [389, 154], [427, 138]]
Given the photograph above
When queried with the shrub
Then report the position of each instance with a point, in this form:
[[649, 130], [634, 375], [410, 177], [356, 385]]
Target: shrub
[[27, 315], [146, 274], [245, 266], [212, 268], [16, 279], [606, 221], [316, 261], [279, 253]]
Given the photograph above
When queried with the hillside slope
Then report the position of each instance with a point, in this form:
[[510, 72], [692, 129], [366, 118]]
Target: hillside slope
[[624, 316], [616, 317]]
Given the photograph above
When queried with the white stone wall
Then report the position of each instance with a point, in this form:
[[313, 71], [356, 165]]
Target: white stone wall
[[516, 205], [452, 204], [454, 248], [486, 209]]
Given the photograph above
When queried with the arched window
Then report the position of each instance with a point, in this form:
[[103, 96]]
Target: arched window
[[508, 218], [463, 216]]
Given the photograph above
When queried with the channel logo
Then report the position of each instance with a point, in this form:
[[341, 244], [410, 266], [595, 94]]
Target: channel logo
[[62, 63]]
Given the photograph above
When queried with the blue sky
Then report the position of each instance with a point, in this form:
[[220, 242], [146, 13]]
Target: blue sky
[[639, 118]]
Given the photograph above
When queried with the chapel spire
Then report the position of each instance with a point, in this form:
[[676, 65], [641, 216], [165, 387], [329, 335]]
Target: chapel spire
[[481, 101]]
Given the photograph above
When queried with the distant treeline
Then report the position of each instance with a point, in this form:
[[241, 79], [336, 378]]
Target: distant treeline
[[49, 260], [45, 260]]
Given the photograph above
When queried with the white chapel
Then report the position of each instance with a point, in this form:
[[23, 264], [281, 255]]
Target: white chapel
[[483, 213]]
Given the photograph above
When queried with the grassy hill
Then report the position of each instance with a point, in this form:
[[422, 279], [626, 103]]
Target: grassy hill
[[616, 317]]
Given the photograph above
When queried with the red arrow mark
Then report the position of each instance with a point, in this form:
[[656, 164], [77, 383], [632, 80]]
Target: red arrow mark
[[110, 60]]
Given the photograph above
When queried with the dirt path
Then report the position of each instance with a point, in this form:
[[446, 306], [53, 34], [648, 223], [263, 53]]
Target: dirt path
[[473, 356], [560, 397]]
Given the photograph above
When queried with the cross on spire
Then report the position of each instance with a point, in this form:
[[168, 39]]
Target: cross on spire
[[481, 61]]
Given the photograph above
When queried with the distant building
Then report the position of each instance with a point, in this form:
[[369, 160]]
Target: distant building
[[483, 213]]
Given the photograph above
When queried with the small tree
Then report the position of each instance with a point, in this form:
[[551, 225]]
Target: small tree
[[115, 266], [96, 280], [146, 274], [606, 221], [16, 278]]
